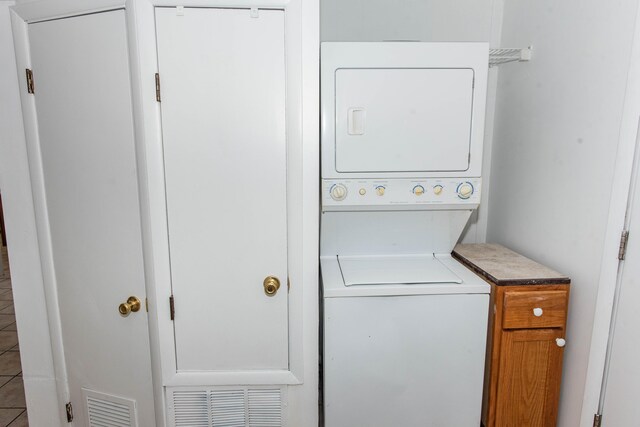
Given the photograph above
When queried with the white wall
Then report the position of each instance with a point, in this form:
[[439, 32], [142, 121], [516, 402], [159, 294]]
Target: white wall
[[424, 20], [557, 123], [26, 275]]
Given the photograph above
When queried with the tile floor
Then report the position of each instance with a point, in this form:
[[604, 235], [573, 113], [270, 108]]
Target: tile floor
[[12, 404]]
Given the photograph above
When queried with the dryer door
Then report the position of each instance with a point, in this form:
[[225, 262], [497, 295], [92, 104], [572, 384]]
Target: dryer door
[[403, 119]]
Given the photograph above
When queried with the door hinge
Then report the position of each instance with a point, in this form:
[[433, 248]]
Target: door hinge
[[146, 304], [69, 409], [30, 87], [597, 420], [622, 251], [288, 285], [172, 308], [158, 87]]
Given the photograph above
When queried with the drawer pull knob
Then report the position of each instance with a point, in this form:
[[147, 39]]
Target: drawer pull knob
[[560, 342], [537, 312]]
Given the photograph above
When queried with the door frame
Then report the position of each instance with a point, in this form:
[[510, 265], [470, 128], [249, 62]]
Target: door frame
[[629, 137], [45, 405], [301, 224]]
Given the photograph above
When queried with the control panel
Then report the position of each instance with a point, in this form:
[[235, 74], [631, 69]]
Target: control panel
[[367, 194]]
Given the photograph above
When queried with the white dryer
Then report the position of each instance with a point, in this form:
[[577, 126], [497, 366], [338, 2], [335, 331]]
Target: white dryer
[[404, 324]]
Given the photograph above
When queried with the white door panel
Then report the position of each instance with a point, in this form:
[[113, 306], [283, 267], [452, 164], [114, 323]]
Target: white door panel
[[622, 384], [85, 126], [223, 126], [403, 120]]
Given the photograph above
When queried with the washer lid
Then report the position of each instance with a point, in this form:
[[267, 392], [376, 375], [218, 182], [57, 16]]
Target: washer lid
[[394, 269]]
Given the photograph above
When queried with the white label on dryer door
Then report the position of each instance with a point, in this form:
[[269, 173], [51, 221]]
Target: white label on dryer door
[[417, 120]]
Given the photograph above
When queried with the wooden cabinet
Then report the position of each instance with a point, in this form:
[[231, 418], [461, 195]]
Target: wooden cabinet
[[528, 385], [526, 355], [526, 336]]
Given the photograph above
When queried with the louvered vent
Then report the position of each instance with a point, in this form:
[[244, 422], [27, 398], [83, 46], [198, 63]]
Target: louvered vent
[[105, 410], [265, 408], [191, 408], [226, 407]]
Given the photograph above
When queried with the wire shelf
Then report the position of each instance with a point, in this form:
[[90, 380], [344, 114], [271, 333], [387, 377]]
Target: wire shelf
[[503, 56]]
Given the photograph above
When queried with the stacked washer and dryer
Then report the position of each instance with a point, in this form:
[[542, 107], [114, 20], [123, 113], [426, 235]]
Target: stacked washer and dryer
[[404, 323]]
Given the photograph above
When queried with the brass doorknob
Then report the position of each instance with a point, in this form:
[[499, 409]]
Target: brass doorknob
[[132, 304], [271, 285]]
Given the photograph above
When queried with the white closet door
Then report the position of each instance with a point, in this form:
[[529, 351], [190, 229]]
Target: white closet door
[[622, 385], [223, 127], [87, 153]]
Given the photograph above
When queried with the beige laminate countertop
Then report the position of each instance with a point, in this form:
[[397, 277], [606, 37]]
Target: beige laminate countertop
[[505, 267]]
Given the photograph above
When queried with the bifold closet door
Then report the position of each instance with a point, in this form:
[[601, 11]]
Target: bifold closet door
[[222, 77], [88, 159]]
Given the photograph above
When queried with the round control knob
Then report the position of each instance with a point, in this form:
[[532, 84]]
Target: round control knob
[[338, 192], [362, 191], [380, 190], [465, 190], [418, 190], [437, 190]]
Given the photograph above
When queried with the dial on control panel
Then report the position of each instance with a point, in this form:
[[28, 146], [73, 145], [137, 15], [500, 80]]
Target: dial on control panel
[[380, 190], [418, 190], [338, 192], [437, 190], [465, 190]]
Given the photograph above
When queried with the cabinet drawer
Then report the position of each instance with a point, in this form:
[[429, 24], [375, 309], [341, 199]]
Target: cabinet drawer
[[534, 309]]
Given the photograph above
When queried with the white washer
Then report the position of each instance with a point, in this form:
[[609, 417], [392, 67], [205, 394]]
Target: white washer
[[404, 324], [403, 354]]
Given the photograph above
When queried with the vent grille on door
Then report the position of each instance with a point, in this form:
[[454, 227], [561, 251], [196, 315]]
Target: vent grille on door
[[265, 408], [191, 409], [226, 407], [105, 410]]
